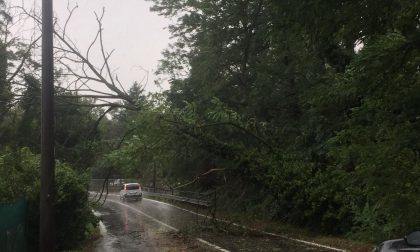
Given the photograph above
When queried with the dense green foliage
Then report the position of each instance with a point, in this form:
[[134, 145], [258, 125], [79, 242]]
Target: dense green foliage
[[309, 108], [20, 115], [73, 213], [300, 111], [21, 168]]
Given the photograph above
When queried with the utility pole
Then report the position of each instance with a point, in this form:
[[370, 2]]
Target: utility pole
[[47, 197]]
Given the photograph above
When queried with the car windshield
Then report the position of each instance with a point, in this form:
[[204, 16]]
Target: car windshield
[[132, 187]]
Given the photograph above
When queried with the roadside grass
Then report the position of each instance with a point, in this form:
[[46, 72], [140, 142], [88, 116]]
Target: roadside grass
[[265, 225]]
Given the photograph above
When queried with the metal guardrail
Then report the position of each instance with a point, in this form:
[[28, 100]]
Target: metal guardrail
[[206, 199], [195, 198]]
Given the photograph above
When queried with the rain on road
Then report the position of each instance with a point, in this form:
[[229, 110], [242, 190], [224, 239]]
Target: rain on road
[[150, 225]]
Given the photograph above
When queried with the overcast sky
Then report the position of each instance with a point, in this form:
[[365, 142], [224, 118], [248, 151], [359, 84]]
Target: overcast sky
[[137, 35]]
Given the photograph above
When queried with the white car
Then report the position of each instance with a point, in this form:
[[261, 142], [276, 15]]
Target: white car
[[131, 191]]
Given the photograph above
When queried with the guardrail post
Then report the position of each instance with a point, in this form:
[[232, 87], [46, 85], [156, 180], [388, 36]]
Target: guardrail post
[[198, 201], [214, 204]]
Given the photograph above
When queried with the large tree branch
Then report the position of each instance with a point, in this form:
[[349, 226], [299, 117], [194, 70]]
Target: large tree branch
[[68, 55]]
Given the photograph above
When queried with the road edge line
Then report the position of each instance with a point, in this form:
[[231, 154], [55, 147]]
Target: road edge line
[[168, 226], [212, 245], [253, 229], [145, 214]]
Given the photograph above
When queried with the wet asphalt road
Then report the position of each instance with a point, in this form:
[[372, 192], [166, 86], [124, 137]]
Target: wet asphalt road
[[150, 225]]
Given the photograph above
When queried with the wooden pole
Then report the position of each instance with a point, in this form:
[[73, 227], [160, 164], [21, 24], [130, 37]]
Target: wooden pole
[[47, 194]]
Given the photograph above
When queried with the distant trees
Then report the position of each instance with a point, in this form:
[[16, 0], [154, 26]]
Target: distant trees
[[304, 111], [79, 109], [309, 108]]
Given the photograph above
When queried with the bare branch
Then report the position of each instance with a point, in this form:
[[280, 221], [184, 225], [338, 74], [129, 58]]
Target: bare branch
[[69, 16], [101, 43], [22, 62], [79, 70]]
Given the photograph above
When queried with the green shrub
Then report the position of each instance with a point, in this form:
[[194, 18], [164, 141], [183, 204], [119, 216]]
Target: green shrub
[[20, 170], [73, 213], [74, 218]]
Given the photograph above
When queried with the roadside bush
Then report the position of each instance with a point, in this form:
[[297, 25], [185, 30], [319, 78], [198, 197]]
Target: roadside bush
[[74, 215], [18, 169], [74, 218]]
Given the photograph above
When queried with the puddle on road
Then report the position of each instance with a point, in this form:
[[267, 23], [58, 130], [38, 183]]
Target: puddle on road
[[125, 230], [107, 241], [129, 230], [116, 233]]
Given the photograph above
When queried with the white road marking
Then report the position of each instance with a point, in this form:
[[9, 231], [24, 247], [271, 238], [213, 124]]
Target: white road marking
[[180, 208], [212, 245], [253, 229], [256, 230], [166, 225], [145, 214]]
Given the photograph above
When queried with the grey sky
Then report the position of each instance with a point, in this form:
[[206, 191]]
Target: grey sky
[[137, 35]]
